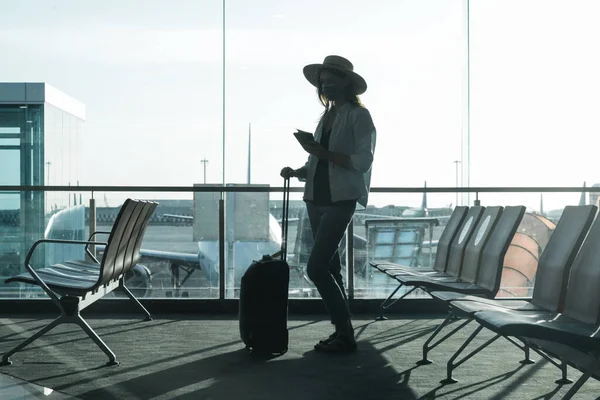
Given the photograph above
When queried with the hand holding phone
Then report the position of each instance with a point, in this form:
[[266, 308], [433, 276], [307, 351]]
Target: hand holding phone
[[304, 138], [309, 143]]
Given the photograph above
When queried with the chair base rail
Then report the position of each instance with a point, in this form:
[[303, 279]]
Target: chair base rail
[[70, 308]]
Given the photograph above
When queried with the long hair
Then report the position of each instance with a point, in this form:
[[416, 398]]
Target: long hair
[[350, 93]]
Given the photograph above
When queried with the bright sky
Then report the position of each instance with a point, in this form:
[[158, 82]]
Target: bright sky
[[150, 74]]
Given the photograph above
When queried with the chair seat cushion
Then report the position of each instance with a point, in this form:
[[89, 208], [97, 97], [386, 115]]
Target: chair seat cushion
[[542, 325], [582, 360], [417, 273], [445, 285], [77, 275], [385, 266], [471, 307], [450, 296], [409, 279]]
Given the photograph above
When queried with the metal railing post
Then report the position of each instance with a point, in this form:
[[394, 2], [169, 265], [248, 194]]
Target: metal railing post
[[350, 258], [221, 249], [92, 222]]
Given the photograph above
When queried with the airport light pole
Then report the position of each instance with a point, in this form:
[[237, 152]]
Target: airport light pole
[[204, 161], [456, 162]]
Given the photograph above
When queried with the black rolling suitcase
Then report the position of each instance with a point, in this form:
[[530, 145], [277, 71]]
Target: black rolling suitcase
[[263, 304]]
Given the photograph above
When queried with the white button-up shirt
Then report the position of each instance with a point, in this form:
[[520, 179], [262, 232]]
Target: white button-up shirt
[[352, 133]]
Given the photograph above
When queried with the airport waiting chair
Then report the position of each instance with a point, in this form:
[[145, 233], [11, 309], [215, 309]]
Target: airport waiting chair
[[572, 336], [443, 248], [74, 285], [482, 270], [456, 253], [549, 290], [487, 275], [447, 237]]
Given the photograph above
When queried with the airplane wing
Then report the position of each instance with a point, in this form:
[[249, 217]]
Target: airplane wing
[[184, 259], [190, 218], [187, 259]]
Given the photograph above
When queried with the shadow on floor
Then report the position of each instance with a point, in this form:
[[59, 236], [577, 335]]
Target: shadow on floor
[[238, 375]]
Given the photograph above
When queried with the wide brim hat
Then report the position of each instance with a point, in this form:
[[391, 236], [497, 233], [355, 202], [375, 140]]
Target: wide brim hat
[[312, 71]]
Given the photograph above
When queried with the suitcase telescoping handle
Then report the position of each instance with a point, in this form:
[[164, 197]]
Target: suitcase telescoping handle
[[284, 220]]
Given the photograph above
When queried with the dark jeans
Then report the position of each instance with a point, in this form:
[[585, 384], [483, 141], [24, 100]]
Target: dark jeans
[[324, 266]]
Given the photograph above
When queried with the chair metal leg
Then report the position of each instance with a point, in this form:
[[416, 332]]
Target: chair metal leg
[[524, 347], [426, 347], [69, 315], [595, 368], [451, 366], [136, 301], [385, 306], [575, 388], [41, 332], [527, 359], [564, 380], [112, 359]]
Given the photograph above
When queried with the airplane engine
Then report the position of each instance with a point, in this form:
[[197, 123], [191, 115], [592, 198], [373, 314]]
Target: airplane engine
[[139, 280]]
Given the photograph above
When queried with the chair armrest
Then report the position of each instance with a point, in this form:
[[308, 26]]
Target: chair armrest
[[37, 278], [98, 233], [58, 241], [87, 246]]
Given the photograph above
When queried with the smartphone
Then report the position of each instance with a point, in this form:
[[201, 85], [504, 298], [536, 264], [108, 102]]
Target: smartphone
[[304, 137]]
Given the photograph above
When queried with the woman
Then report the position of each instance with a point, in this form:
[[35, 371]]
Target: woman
[[337, 176]]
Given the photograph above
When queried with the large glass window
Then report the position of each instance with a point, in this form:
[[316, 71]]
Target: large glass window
[[21, 212], [10, 157], [10, 174], [412, 55], [63, 133], [169, 90], [534, 96], [151, 81], [532, 116]]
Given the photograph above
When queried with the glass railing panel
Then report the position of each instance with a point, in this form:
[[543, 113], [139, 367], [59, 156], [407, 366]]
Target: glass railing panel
[[399, 228], [180, 248]]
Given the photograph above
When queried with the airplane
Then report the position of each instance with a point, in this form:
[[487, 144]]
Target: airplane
[[69, 223], [146, 280], [207, 262], [245, 252]]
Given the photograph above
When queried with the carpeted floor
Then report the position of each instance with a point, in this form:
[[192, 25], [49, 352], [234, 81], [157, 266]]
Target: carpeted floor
[[184, 358]]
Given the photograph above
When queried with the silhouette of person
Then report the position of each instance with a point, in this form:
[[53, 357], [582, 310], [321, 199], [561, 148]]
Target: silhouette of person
[[337, 176]]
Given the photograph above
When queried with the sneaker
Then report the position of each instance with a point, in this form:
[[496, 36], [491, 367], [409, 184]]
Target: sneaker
[[326, 341], [339, 344]]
